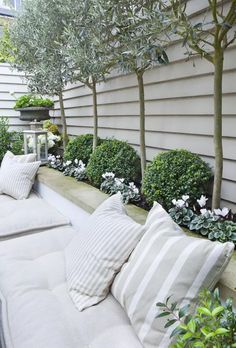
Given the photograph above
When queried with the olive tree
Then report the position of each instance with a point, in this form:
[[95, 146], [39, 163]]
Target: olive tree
[[88, 51], [136, 49], [37, 34], [209, 38], [6, 47]]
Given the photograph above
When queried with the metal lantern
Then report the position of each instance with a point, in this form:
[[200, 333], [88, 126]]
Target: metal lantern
[[36, 141]]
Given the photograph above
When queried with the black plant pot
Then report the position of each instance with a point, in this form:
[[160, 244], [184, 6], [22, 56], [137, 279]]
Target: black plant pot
[[34, 113]]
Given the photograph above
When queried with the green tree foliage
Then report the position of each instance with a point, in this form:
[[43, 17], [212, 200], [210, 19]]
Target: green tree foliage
[[209, 38], [37, 34], [135, 48], [7, 50], [88, 52]]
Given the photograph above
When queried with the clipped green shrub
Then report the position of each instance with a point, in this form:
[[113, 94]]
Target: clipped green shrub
[[175, 173], [114, 156], [12, 141], [4, 137], [17, 143], [80, 148]]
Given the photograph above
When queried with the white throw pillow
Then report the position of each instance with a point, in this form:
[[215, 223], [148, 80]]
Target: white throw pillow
[[98, 252], [10, 157], [166, 262], [16, 179]]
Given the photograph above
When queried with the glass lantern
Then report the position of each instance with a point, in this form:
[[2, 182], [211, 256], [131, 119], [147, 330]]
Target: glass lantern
[[36, 141]]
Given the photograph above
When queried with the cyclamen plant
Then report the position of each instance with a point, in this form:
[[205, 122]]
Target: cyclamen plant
[[211, 224], [112, 185], [76, 169]]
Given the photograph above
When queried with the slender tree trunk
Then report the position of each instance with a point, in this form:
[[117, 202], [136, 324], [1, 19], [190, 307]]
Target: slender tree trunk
[[63, 121], [95, 115], [218, 64], [142, 122]]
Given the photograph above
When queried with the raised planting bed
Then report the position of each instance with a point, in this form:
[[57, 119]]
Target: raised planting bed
[[54, 184]]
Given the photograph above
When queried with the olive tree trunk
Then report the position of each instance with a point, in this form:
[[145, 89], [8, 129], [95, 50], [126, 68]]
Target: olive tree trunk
[[142, 121], [218, 147], [63, 121], [95, 115]]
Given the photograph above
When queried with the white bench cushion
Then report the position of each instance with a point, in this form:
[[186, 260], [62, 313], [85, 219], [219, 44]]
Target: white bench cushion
[[37, 310], [28, 216]]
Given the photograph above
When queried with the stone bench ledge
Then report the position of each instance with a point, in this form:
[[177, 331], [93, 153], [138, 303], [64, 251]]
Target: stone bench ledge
[[89, 198]]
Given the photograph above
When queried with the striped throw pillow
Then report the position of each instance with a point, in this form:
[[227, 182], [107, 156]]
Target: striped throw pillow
[[166, 262], [16, 179], [98, 252], [10, 158]]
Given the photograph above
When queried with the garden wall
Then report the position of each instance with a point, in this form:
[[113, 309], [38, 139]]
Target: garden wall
[[179, 108], [11, 81]]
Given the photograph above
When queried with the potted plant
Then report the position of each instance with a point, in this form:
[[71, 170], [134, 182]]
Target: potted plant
[[33, 108]]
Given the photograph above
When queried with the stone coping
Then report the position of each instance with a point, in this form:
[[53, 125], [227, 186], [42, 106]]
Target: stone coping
[[89, 198]]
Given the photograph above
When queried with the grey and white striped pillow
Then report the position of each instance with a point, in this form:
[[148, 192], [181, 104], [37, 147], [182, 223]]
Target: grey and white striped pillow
[[10, 158], [98, 252], [16, 179], [166, 262]]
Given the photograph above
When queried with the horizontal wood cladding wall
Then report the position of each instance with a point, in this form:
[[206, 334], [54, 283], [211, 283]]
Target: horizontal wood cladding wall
[[179, 108], [11, 81]]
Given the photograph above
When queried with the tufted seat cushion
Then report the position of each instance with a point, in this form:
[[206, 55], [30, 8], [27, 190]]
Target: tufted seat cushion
[[36, 308]]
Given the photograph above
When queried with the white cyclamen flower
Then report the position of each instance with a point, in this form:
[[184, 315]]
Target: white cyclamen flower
[[68, 163], [185, 197], [51, 158], [221, 212], [203, 211], [180, 203], [118, 182], [76, 161], [133, 187], [108, 175], [202, 201], [50, 144]]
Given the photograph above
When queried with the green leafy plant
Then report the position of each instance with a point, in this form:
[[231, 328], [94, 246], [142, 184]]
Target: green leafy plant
[[80, 148], [4, 137], [16, 145], [114, 156], [112, 185], [30, 100], [182, 216], [51, 127], [175, 173], [212, 225], [213, 325], [6, 47], [12, 141], [75, 169]]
